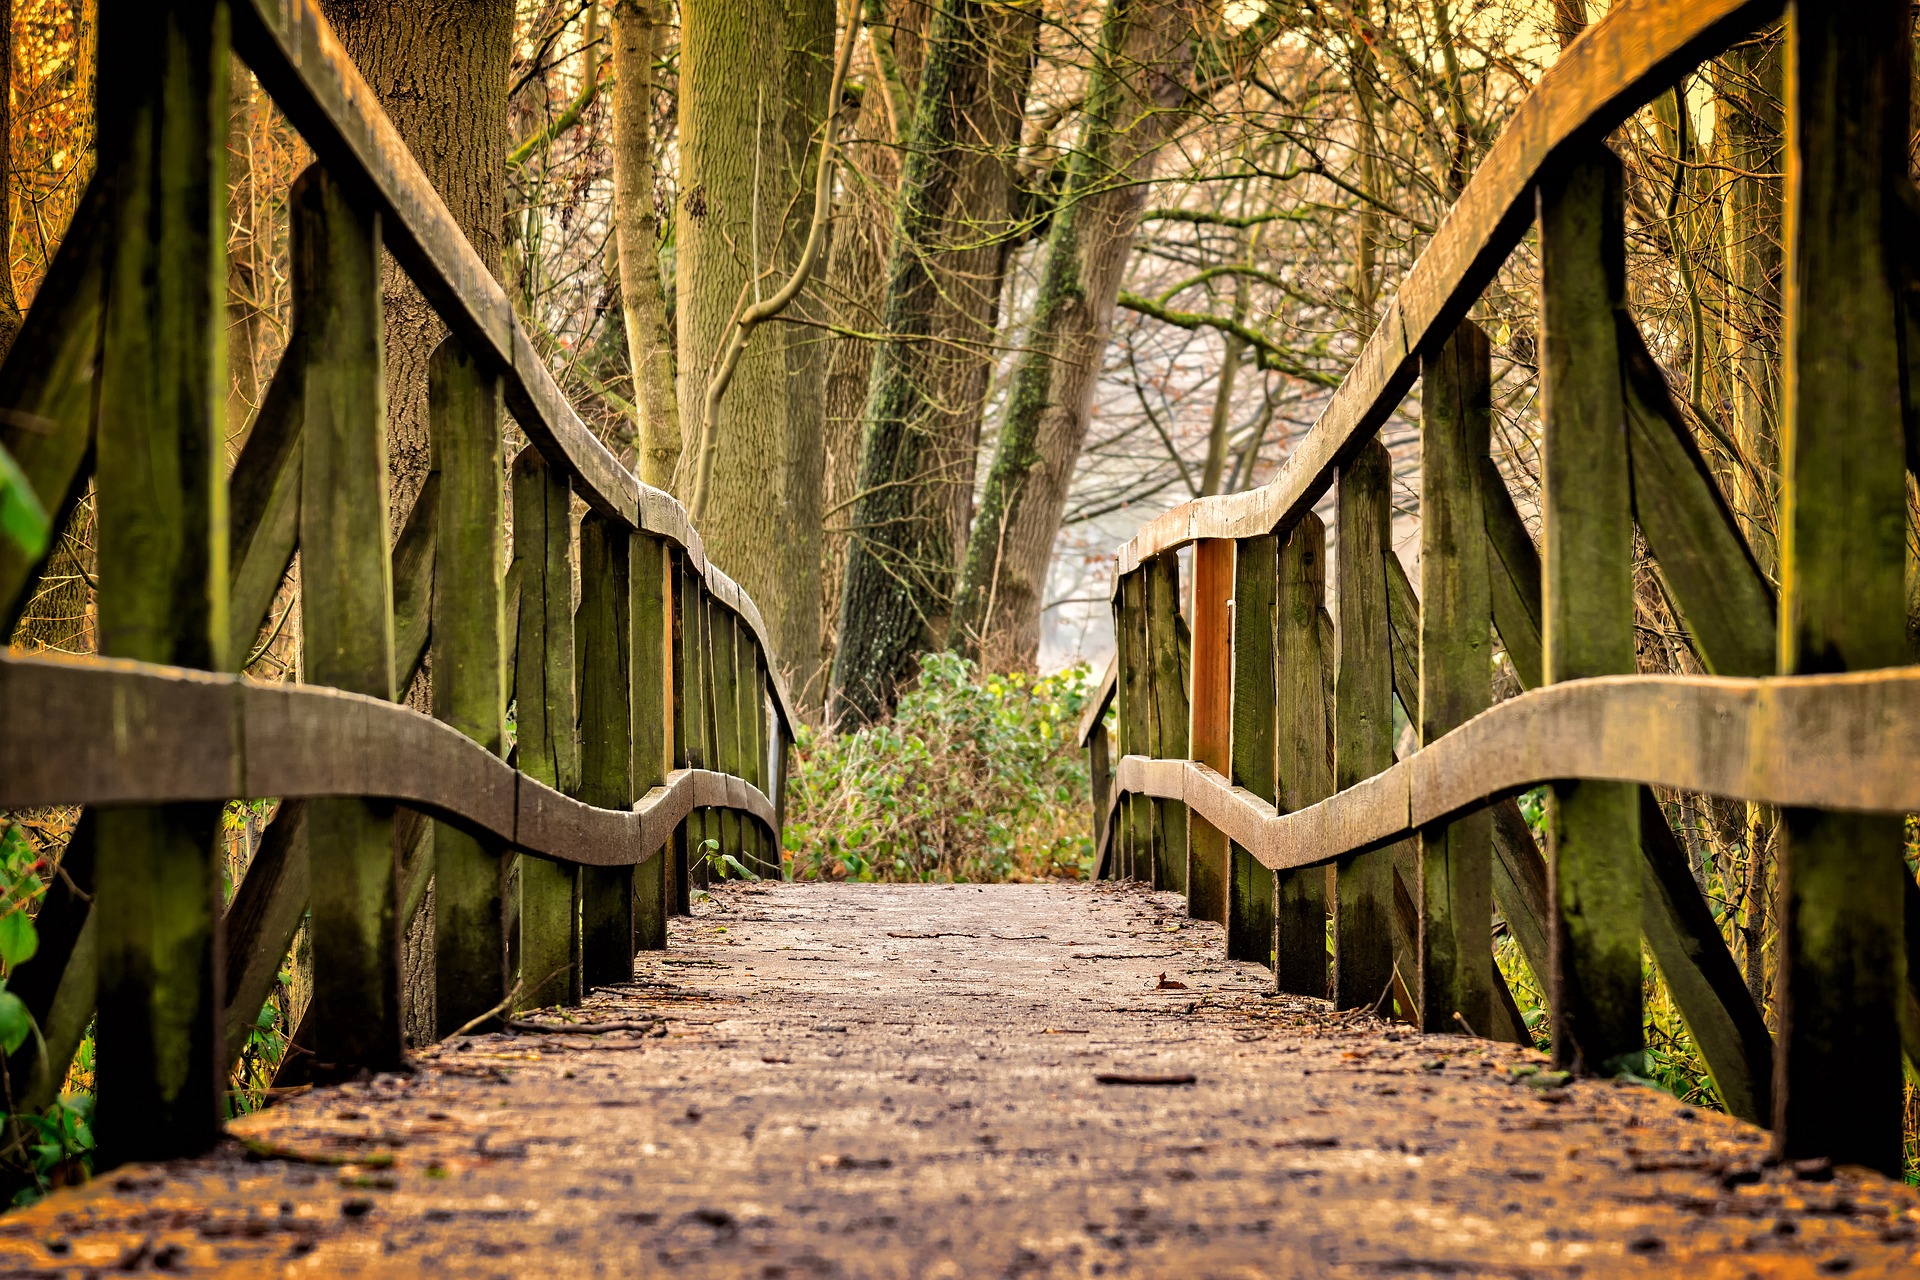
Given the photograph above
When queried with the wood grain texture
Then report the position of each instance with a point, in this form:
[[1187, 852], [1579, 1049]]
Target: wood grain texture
[[1135, 718], [1301, 737], [1843, 556], [263, 500], [1363, 721], [1210, 732], [1255, 762], [1167, 730], [603, 656], [650, 696], [1617, 66], [1098, 702]]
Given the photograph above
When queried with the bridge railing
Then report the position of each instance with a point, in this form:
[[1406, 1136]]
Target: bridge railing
[[1256, 766], [650, 723]]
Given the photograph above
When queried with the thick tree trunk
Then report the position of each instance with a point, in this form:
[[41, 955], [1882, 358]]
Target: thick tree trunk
[[921, 425], [746, 66], [1141, 75], [439, 69], [637, 31]]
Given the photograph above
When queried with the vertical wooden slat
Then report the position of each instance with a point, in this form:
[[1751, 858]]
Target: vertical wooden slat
[[161, 556], [603, 655], [544, 727], [1593, 828], [650, 577], [346, 617], [1211, 724], [690, 739], [1842, 608], [1455, 892], [722, 631], [1363, 722], [1305, 774], [1256, 567], [1132, 695], [1100, 779], [469, 674], [1167, 732], [756, 741]]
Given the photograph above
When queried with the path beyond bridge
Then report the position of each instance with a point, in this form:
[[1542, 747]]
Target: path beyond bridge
[[952, 1081]]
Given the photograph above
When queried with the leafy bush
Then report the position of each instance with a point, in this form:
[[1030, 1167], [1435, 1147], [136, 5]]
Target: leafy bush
[[975, 778]]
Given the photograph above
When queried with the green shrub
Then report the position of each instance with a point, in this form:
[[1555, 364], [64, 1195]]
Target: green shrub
[[975, 778]]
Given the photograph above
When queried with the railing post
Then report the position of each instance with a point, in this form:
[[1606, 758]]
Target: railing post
[[690, 736], [603, 655], [1211, 724], [765, 850], [1363, 722], [1133, 842], [469, 675], [1303, 744], [162, 556], [1256, 583], [1593, 828], [1455, 890], [544, 735], [346, 617], [650, 577], [1167, 731], [723, 724], [1842, 960]]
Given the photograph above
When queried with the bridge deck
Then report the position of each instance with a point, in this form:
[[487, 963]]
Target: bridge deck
[[869, 1081]]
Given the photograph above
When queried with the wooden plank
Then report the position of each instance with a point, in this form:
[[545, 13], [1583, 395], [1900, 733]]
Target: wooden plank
[[696, 752], [1255, 764], [1403, 621], [1135, 718], [261, 920], [603, 656], [263, 499], [1843, 557], [47, 385], [1587, 603], [1455, 889], [413, 583], [755, 745], [1513, 572], [1210, 730], [346, 616], [726, 718], [650, 695], [1363, 722], [1098, 701], [679, 582], [545, 742], [1100, 780], [58, 984], [1725, 601], [1167, 730], [161, 555], [469, 677], [1305, 772]]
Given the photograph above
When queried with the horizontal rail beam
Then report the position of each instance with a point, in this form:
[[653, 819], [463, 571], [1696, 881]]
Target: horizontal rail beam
[[1819, 742], [103, 732], [1616, 67]]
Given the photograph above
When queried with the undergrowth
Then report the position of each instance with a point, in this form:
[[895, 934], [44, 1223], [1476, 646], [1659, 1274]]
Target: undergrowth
[[977, 777]]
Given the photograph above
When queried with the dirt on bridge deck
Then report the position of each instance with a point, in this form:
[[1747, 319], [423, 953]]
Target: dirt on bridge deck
[[953, 1082]]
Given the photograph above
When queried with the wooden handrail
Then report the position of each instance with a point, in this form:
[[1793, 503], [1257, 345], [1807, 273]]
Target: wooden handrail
[[1616, 67]]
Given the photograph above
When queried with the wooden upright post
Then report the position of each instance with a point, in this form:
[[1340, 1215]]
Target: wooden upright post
[[650, 575], [690, 737], [160, 488], [725, 726], [1363, 723], [1211, 731], [1593, 828], [1842, 959], [1455, 890], [1167, 731], [1133, 847], [346, 618], [1301, 739], [603, 655], [469, 675], [766, 851], [1256, 567], [543, 700]]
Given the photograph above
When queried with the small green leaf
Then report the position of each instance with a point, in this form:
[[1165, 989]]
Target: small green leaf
[[22, 519], [18, 938], [16, 1024]]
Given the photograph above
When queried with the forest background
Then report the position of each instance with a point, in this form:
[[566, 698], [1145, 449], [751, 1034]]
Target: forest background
[[923, 306]]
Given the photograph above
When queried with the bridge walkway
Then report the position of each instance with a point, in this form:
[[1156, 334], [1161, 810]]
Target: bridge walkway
[[907, 1081]]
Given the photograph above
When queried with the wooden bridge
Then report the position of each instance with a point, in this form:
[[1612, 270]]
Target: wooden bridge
[[1118, 1078]]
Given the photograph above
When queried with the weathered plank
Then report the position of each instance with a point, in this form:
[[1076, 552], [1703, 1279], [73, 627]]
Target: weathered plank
[[1255, 763], [1305, 773], [725, 651], [1843, 556], [261, 920], [691, 677], [1586, 499], [413, 554], [545, 741], [1363, 721], [1455, 889], [263, 499], [469, 676], [1135, 718], [650, 696], [1167, 729], [1513, 577], [160, 482], [603, 656], [346, 616], [1211, 728]]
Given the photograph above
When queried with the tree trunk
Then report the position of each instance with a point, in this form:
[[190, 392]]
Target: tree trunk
[[921, 425], [637, 41], [439, 69], [743, 64], [10, 317], [1141, 75]]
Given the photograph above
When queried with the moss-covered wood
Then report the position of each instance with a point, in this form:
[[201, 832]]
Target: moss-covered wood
[[1256, 567], [1133, 697], [650, 696], [603, 652], [1302, 741], [1167, 728], [1211, 732]]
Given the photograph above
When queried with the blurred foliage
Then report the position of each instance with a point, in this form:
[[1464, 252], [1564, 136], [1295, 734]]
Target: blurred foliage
[[977, 777]]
